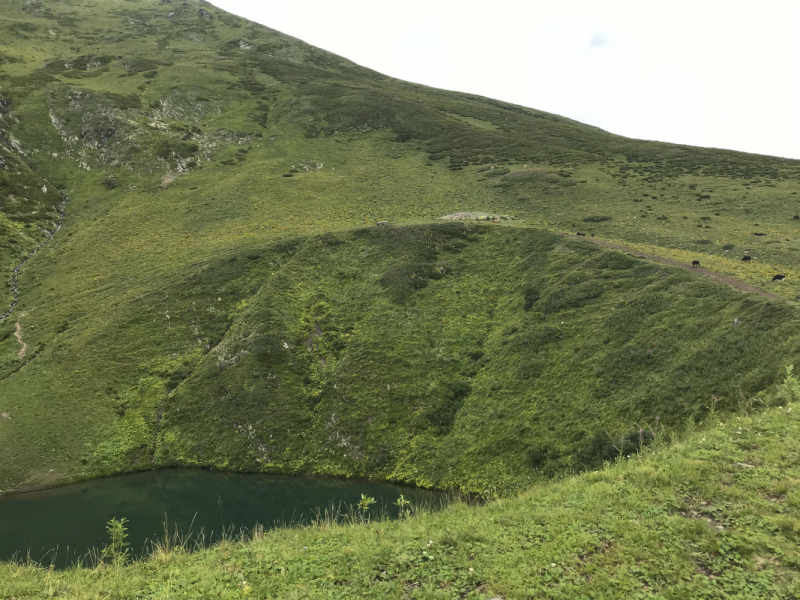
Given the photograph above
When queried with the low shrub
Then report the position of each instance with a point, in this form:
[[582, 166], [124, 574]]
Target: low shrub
[[531, 295], [442, 414]]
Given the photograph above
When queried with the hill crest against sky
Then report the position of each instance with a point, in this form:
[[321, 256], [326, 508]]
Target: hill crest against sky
[[617, 65]]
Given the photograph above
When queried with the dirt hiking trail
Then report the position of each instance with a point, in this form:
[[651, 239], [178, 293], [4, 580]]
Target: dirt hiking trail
[[674, 263]]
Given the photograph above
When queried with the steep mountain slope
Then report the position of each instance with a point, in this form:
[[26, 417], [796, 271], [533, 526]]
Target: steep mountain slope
[[220, 295]]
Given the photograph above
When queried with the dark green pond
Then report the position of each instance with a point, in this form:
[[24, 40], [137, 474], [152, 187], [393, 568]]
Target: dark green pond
[[61, 525]]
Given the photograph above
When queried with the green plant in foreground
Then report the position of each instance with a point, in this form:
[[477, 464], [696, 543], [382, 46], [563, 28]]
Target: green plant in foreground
[[403, 505], [364, 504], [118, 552], [789, 390]]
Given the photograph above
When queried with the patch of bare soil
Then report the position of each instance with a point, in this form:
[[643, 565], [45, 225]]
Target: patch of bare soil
[[167, 179], [18, 335], [41, 480], [711, 274]]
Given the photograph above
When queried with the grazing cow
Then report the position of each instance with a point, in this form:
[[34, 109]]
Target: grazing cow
[[779, 278], [592, 235], [797, 217], [760, 234], [746, 258], [736, 323], [581, 234], [695, 263]]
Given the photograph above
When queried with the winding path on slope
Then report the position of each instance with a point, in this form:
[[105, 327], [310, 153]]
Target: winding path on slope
[[732, 282]]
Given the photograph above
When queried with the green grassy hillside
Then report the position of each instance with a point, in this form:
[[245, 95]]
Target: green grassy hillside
[[219, 293], [460, 356]]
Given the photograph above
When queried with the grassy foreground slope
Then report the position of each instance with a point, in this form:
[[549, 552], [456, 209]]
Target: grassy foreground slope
[[714, 516], [219, 295]]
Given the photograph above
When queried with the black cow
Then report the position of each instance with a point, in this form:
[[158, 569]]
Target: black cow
[[746, 258], [760, 234], [695, 263], [797, 217], [581, 234], [779, 278]]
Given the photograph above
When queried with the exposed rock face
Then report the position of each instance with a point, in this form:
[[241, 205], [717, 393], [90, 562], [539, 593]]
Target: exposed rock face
[[5, 105], [475, 216]]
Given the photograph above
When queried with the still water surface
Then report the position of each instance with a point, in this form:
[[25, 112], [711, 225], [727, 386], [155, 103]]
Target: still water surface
[[60, 525]]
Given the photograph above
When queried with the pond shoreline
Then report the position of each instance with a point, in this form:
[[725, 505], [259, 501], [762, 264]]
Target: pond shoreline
[[20, 490], [62, 525]]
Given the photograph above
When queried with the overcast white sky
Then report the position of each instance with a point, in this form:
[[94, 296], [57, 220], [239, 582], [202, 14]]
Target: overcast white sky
[[724, 74]]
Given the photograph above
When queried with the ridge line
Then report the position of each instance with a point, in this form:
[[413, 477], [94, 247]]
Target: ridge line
[[724, 279]]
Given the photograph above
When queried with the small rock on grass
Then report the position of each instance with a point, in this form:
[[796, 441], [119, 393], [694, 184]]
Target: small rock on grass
[[475, 216]]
